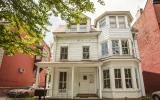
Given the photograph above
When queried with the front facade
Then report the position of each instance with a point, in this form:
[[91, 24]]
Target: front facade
[[148, 37], [101, 61]]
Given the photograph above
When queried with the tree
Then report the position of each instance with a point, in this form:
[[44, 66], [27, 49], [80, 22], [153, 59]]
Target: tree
[[27, 19]]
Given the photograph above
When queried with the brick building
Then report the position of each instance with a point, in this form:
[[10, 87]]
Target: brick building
[[148, 37]]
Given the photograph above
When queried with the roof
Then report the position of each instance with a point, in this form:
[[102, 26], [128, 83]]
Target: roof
[[114, 13]]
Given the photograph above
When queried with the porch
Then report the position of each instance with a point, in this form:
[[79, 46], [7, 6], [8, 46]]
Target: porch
[[72, 80]]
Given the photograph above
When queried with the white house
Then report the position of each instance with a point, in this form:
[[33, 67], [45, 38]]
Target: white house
[[89, 62]]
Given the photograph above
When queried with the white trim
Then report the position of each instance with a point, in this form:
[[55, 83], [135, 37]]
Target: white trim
[[100, 80], [72, 86]]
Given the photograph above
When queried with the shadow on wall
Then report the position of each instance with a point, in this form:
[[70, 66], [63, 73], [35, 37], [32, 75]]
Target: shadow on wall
[[151, 81]]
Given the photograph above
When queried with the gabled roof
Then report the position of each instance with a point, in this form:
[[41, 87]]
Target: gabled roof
[[114, 13]]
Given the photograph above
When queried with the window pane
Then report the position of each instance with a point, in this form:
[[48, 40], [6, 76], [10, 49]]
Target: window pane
[[115, 47], [62, 81], [125, 47], [112, 20], [102, 23], [106, 78], [121, 20], [104, 47], [64, 53], [128, 78], [118, 80], [85, 52]]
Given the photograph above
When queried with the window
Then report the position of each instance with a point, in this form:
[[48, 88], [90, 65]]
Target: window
[[112, 21], [102, 23], [64, 53], [62, 81], [115, 47], [128, 78], [121, 21], [73, 28], [83, 27], [86, 52], [118, 80], [125, 47], [104, 48], [106, 78]]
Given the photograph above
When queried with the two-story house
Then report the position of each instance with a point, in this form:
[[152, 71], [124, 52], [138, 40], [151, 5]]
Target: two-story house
[[89, 62]]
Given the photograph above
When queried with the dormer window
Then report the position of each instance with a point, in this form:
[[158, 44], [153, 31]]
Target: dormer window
[[73, 27], [83, 27]]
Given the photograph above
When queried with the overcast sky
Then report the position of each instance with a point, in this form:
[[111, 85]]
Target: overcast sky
[[110, 5]]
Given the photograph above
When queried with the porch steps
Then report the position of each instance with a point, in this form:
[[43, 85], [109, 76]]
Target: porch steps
[[87, 95]]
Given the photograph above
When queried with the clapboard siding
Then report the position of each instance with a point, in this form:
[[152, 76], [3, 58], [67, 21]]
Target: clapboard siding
[[75, 45]]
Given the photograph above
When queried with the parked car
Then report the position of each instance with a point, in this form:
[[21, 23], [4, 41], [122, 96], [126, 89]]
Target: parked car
[[21, 93], [156, 95]]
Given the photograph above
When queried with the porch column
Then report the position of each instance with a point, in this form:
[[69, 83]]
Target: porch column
[[72, 90], [37, 77], [100, 81]]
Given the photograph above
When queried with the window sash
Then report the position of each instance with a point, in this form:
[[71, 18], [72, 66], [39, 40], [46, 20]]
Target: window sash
[[115, 47], [106, 79], [125, 47], [64, 53], [121, 22], [62, 81], [128, 78], [112, 21], [85, 52], [118, 79], [102, 23], [104, 47]]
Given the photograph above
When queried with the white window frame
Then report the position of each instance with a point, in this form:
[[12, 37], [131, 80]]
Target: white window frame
[[73, 28], [122, 24], [104, 49], [65, 53], [63, 82], [112, 23], [107, 79], [86, 52], [128, 78], [116, 48], [83, 27], [102, 23], [118, 78], [125, 47]]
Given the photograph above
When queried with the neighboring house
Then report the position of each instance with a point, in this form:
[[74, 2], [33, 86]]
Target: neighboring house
[[148, 37], [87, 62], [17, 71]]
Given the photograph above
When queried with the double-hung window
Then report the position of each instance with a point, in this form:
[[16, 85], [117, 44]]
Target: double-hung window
[[102, 23], [62, 81], [115, 47], [125, 47], [104, 48], [128, 78], [86, 52], [112, 21], [121, 22], [118, 78], [64, 53], [106, 78]]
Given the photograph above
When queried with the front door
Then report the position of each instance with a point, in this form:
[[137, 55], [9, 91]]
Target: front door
[[87, 83]]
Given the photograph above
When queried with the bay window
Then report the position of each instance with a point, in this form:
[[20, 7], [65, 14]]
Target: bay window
[[125, 47], [121, 22], [112, 21]]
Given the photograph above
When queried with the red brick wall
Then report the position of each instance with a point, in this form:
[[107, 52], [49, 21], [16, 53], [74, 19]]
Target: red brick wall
[[148, 38], [9, 72]]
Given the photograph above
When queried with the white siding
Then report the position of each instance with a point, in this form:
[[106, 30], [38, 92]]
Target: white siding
[[75, 45]]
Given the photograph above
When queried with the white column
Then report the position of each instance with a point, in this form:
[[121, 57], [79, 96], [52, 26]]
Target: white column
[[120, 47], [141, 81], [112, 78], [130, 47], [72, 91], [37, 77], [52, 72], [133, 78], [100, 82], [123, 79]]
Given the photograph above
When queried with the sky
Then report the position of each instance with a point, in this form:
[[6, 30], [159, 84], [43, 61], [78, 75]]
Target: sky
[[110, 5]]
